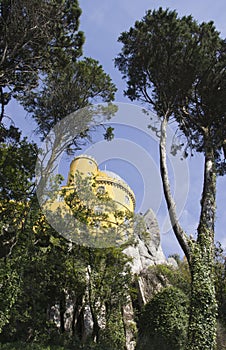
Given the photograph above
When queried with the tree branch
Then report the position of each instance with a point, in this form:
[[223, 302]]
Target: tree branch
[[4, 54]]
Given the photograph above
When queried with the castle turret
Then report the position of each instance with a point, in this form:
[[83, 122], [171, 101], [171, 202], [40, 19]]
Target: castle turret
[[83, 164], [96, 211]]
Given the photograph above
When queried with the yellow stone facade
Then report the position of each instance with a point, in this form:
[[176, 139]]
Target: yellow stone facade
[[106, 181], [113, 223]]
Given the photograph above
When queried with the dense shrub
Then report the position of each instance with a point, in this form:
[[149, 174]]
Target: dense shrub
[[31, 346], [163, 322]]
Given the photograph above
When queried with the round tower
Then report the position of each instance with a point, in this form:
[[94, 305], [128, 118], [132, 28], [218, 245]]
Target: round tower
[[109, 214], [83, 164]]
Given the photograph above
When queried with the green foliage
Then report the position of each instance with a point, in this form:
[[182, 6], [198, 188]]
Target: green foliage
[[177, 277], [153, 71], [17, 169], [17, 187], [220, 281], [32, 346], [177, 67], [10, 289], [40, 271], [36, 37], [40, 49], [49, 272], [109, 135], [203, 305], [40, 65], [113, 336], [164, 321], [67, 90], [180, 72]]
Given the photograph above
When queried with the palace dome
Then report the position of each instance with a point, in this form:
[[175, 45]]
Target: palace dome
[[113, 175]]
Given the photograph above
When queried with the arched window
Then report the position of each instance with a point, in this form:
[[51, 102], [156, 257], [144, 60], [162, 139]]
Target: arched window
[[127, 199], [101, 189], [98, 210]]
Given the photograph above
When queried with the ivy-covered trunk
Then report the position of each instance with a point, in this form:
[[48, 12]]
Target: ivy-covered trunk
[[203, 306], [203, 310]]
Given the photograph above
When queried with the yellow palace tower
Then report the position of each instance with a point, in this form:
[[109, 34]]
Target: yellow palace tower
[[106, 182], [95, 207]]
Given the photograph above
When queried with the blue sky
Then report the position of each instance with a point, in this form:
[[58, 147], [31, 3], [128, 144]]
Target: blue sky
[[102, 22]]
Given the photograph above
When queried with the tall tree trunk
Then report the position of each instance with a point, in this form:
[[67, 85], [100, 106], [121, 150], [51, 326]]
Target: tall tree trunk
[[96, 327], [62, 312], [203, 306], [200, 253], [179, 232], [2, 103], [91, 299], [203, 310]]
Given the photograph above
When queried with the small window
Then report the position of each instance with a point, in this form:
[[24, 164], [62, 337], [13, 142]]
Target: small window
[[96, 224], [89, 173], [98, 210], [90, 162], [101, 189], [60, 198], [127, 199]]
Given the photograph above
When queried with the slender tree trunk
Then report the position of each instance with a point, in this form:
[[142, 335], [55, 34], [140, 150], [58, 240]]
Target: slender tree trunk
[[200, 253], [179, 232], [2, 102], [76, 311], [62, 312], [203, 310], [96, 327]]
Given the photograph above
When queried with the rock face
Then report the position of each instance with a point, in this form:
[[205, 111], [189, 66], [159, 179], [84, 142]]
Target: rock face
[[148, 250], [129, 325]]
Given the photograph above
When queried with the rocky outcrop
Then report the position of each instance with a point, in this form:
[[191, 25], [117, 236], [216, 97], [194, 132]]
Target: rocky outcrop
[[145, 253], [129, 325], [148, 250]]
